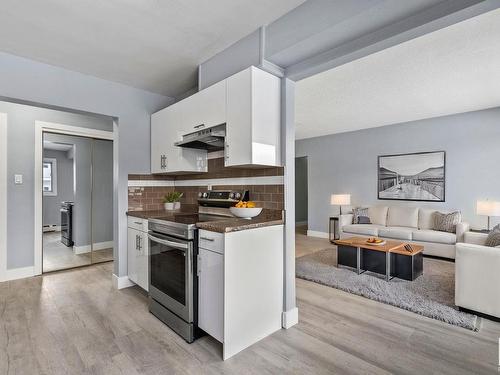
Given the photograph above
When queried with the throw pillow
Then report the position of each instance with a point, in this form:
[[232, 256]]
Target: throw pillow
[[364, 220], [447, 222], [493, 239], [357, 212]]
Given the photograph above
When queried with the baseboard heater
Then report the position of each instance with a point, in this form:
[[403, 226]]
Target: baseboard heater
[[51, 228]]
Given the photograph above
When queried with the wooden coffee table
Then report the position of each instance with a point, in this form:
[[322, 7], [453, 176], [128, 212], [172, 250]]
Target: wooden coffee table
[[390, 259]]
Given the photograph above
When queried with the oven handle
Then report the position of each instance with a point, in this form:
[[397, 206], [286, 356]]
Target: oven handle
[[176, 245]]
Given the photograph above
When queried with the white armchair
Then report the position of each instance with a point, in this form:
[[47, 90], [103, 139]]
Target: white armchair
[[477, 275]]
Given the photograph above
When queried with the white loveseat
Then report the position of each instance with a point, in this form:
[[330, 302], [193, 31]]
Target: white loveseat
[[477, 275], [407, 224]]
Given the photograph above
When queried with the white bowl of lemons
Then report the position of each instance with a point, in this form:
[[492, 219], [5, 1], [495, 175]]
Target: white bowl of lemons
[[245, 210]]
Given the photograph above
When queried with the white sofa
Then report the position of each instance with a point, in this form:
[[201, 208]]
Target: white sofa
[[407, 224], [477, 275]]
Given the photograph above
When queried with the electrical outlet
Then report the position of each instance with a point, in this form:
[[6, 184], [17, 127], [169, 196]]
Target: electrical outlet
[[18, 179]]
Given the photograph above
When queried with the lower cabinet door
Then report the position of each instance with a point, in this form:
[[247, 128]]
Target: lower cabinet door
[[211, 293], [142, 262], [132, 252]]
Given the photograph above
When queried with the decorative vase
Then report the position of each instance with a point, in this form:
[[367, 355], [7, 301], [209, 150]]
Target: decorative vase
[[177, 205], [169, 206]]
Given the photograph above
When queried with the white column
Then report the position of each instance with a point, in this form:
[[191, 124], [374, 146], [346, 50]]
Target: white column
[[290, 311]]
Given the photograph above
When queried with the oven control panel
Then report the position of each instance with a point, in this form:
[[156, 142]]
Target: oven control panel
[[222, 198]]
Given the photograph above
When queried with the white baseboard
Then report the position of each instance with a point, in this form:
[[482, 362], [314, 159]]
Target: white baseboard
[[314, 233], [97, 246], [290, 318], [121, 282], [18, 273]]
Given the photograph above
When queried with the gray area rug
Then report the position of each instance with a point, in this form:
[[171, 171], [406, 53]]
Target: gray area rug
[[431, 295]]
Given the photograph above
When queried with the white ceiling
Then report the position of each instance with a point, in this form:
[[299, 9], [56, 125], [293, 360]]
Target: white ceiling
[[154, 45], [56, 146], [453, 70]]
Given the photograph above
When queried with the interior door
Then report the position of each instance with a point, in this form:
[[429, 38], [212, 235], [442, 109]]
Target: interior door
[[102, 201], [67, 196]]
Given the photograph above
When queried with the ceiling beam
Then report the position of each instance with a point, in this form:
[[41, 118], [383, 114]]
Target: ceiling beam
[[437, 17]]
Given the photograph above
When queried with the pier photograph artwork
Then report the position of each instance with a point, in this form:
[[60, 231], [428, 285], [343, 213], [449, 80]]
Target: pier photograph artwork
[[415, 177]]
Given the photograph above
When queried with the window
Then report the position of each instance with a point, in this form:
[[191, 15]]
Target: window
[[49, 177]]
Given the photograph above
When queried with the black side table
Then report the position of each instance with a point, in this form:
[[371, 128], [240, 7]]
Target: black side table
[[333, 228]]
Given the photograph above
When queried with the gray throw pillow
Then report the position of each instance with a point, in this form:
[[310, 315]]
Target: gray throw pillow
[[357, 212], [447, 222], [493, 239], [364, 220]]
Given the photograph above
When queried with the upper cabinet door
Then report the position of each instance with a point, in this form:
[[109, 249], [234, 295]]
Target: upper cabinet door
[[253, 116], [205, 108], [238, 148], [161, 123], [212, 104], [166, 129]]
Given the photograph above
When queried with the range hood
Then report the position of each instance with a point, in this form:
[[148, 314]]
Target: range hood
[[210, 139]]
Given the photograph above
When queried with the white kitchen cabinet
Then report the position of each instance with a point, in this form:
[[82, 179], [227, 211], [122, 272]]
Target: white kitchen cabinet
[[166, 129], [253, 119], [240, 285], [211, 293], [205, 109], [249, 103], [138, 252]]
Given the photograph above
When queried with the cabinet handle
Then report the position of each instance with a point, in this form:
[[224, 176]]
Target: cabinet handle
[[136, 242], [226, 151], [207, 239], [137, 222], [140, 243], [198, 267], [199, 126]]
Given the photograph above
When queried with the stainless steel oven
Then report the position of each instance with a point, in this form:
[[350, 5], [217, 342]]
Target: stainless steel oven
[[172, 277], [173, 246]]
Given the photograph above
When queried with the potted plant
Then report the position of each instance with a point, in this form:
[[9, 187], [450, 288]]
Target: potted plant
[[171, 200]]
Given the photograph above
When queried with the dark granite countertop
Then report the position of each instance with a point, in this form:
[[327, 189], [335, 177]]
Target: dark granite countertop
[[266, 218]]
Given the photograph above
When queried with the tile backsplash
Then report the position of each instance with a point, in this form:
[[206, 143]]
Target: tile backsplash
[[150, 197]]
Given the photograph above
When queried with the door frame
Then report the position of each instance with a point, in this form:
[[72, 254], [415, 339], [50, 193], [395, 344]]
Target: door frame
[[52, 127], [3, 196]]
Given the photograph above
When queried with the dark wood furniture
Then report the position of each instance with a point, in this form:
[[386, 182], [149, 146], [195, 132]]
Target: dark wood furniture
[[390, 259]]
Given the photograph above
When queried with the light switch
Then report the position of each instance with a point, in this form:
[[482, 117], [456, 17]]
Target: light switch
[[18, 179]]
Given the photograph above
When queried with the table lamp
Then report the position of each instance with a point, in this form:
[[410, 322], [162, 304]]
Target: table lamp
[[488, 208], [340, 200]]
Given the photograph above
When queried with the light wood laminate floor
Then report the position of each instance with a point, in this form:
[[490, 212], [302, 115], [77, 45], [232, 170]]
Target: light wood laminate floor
[[57, 256], [74, 322]]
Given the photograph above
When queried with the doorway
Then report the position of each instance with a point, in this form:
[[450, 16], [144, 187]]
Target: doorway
[[301, 195], [77, 201]]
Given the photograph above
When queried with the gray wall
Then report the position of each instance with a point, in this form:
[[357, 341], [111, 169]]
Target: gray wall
[[52, 204], [301, 189], [27, 80], [347, 162], [21, 160]]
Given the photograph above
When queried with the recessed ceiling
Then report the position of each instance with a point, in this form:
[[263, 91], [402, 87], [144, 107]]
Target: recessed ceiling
[[452, 70], [155, 45]]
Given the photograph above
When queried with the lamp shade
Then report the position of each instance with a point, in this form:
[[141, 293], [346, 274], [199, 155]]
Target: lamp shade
[[340, 199], [488, 208]]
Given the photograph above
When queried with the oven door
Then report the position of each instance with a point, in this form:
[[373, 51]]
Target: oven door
[[171, 273]]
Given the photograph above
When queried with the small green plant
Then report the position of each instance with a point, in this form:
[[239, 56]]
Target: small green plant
[[174, 196]]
